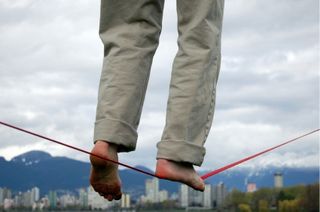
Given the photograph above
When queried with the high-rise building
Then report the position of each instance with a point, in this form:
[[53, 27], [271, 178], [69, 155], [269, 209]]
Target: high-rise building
[[35, 194], [18, 200], [195, 198], [125, 201], [5, 193], [152, 190], [184, 196], [219, 194], [52, 199], [278, 180], [163, 195], [207, 196], [27, 199], [189, 197]]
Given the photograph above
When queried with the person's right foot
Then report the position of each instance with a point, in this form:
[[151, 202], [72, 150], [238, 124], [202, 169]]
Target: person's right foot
[[104, 176], [180, 172]]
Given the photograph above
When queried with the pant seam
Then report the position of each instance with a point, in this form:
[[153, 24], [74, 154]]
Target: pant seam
[[121, 121]]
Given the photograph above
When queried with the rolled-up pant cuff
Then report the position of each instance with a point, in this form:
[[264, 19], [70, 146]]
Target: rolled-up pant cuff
[[181, 151], [117, 132]]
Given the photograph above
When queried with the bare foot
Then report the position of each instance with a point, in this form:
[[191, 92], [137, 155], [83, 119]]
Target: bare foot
[[104, 176], [181, 172]]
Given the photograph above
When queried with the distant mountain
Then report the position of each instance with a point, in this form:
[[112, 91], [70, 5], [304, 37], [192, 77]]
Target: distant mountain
[[31, 157], [37, 168], [40, 169]]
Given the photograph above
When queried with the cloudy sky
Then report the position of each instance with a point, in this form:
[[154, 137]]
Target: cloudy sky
[[268, 91]]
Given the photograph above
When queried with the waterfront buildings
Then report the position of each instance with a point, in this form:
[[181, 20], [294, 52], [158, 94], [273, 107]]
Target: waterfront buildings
[[212, 197]]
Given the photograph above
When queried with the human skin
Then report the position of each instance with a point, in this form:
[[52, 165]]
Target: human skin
[[105, 180]]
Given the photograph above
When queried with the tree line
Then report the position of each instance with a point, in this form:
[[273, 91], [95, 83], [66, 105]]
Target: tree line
[[298, 198]]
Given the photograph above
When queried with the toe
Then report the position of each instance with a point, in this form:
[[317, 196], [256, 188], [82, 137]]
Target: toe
[[109, 197], [198, 184], [118, 196], [195, 182]]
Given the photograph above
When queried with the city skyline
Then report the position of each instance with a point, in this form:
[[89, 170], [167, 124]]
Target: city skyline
[[212, 197], [215, 196]]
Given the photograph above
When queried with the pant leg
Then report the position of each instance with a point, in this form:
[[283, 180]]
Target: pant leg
[[193, 82], [129, 30]]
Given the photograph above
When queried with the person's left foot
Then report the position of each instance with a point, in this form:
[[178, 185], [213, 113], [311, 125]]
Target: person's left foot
[[180, 172]]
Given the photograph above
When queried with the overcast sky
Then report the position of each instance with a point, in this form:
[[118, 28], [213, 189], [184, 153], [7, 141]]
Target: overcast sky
[[268, 90]]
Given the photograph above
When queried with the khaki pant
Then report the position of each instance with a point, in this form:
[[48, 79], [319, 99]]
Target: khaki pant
[[130, 31]]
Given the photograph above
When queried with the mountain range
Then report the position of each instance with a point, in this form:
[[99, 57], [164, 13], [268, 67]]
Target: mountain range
[[38, 168]]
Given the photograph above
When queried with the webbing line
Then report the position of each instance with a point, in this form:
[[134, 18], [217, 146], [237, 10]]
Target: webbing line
[[78, 149], [205, 176]]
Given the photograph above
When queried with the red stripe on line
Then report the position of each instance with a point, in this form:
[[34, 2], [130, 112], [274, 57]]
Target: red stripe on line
[[205, 176]]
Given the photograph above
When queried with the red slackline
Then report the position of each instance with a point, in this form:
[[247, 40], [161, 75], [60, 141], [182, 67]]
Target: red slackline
[[214, 172], [205, 176]]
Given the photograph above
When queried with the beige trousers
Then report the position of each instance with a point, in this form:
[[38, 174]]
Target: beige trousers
[[130, 30]]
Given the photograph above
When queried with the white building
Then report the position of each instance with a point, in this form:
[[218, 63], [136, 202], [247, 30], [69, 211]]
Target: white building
[[278, 180], [213, 196], [207, 196], [184, 196], [95, 201], [163, 195], [18, 200], [219, 194], [125, 201], [35, 194], [190, 197], [27, 199], [152, 190], [4, 194]]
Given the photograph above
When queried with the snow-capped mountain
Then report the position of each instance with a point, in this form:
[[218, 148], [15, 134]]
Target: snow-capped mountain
[[37, 168], [32, 157]]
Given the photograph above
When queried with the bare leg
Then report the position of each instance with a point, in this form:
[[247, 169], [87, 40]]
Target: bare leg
[[181, 172], [104, 176]]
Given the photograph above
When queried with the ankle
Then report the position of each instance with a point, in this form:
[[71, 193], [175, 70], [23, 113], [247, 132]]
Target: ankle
[[105, 150], [164, 162], [105, 145]]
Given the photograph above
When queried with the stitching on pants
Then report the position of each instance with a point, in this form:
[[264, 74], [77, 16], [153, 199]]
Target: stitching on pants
[[123, 122]]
